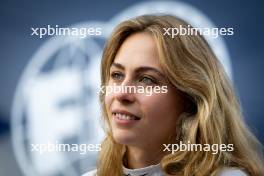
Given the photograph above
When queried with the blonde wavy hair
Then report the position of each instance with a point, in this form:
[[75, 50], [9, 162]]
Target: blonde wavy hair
[[212, 114]]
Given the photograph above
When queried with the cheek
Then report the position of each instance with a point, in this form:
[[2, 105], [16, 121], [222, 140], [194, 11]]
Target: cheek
[[160, 108], [108, 100], [153, 107]]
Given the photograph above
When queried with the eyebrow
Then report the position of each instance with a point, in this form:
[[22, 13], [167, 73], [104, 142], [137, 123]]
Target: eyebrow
[[139, 69]]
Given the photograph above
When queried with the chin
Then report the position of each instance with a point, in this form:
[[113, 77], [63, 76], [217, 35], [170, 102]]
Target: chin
[[124, 137]]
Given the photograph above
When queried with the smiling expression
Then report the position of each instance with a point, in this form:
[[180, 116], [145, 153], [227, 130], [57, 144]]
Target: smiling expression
[[137, 119]]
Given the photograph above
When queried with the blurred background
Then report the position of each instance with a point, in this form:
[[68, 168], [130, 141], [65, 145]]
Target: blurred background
[[48, 85]]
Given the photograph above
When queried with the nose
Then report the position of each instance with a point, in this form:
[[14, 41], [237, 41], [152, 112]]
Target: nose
[[125, 93]]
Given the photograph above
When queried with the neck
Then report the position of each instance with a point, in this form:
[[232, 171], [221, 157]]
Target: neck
[[140, 157]]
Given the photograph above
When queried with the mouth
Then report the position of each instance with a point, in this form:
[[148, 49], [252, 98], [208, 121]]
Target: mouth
[[124, 115]]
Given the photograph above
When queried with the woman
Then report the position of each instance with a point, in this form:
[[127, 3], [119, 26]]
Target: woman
[[199, 106]]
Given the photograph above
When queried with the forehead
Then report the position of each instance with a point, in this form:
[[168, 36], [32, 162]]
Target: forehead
[[137, 50]]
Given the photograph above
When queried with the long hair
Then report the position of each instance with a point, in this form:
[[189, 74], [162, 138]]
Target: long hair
[[212, 114]]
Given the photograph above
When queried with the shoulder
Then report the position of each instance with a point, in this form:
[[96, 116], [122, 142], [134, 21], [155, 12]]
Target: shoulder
[[232, 172], [90, 173]]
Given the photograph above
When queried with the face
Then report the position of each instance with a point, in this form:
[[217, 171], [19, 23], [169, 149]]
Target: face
[[140, 119]]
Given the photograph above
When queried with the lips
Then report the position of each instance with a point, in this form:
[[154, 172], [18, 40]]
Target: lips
[[124, 115]]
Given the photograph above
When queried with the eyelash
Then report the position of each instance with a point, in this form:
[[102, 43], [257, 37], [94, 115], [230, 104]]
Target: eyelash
[[114, 76], [153, 81]]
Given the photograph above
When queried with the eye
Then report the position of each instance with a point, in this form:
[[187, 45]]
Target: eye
[[117, 76], [147, 80]]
